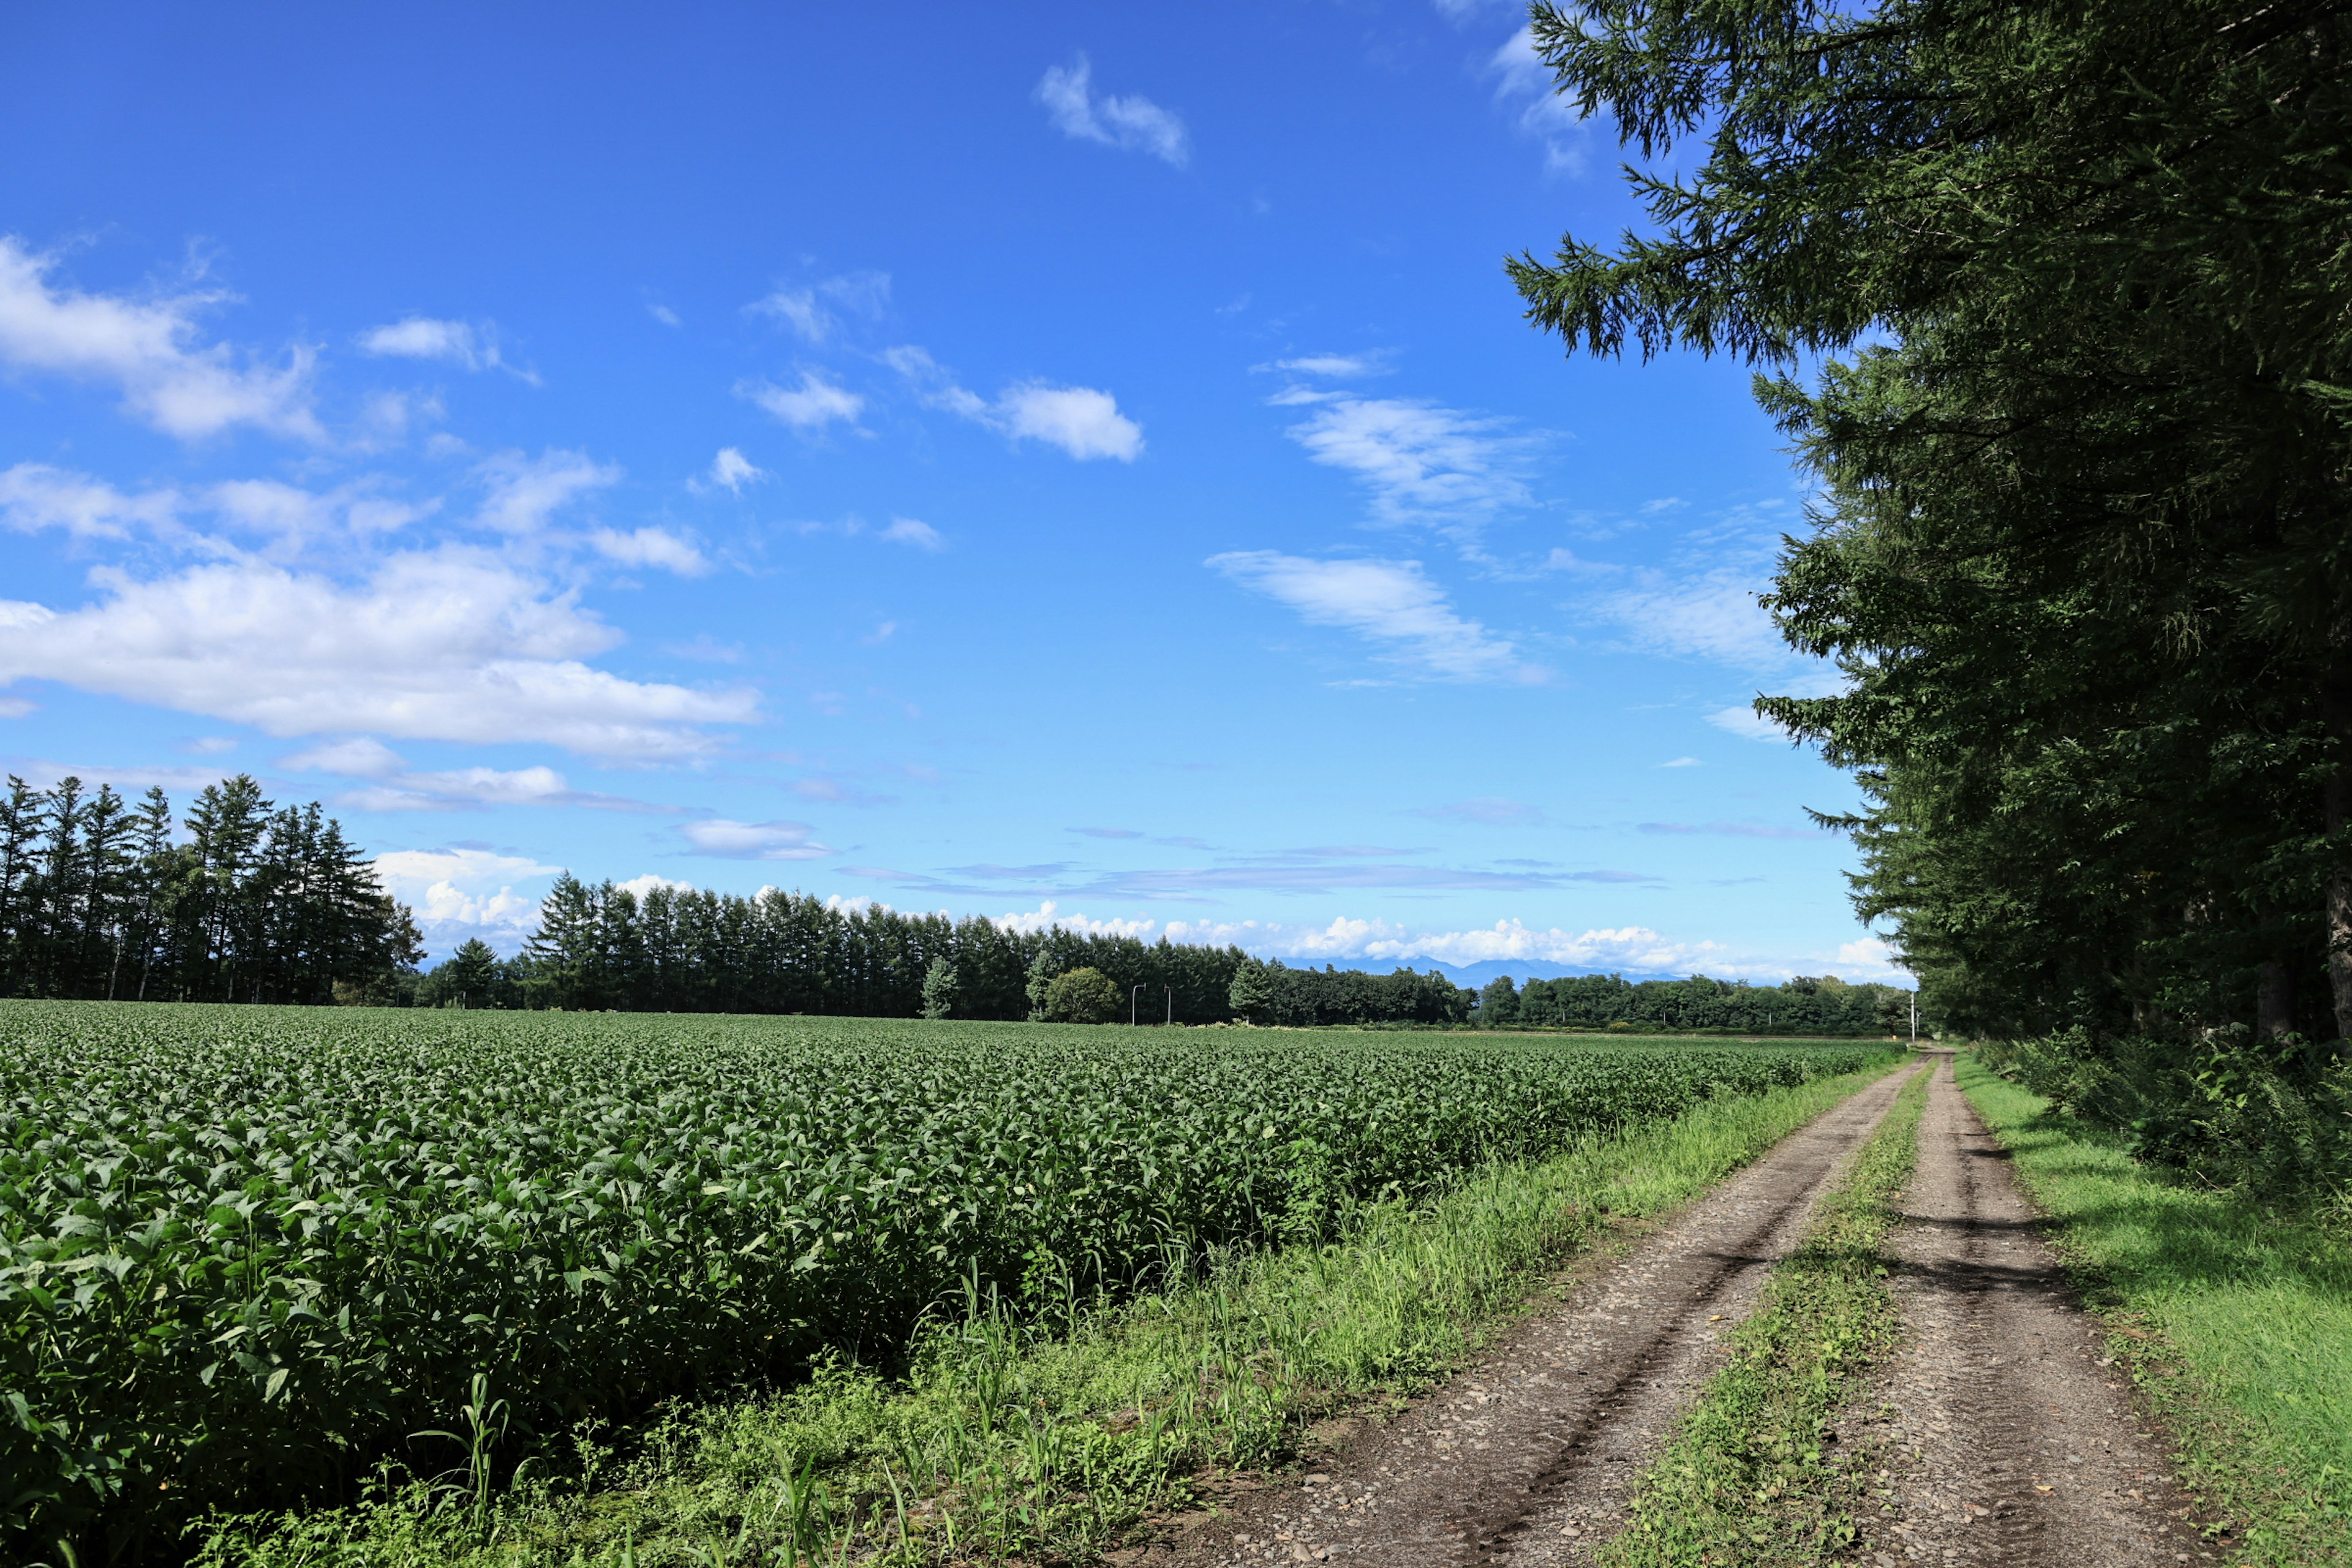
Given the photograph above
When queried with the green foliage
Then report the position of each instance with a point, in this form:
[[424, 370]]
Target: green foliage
[[249, 1260], [1806, 1005], [2080, 555], [1081, 996], [1307, 998], [99, 899], [1052, 1440], [2233, 1314], [940, 984], [1251, 992]]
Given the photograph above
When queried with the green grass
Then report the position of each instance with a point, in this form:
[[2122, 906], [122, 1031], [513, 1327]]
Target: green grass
[[1747, 1478], [2235, 1319], [1009, 1438]]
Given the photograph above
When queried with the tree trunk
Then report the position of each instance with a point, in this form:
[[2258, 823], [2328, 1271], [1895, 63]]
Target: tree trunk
[[2336, 704]]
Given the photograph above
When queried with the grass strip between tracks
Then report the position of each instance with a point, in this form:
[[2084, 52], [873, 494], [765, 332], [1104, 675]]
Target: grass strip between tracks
[[2234, 1319], [1005, 1442], [1747, 1477]]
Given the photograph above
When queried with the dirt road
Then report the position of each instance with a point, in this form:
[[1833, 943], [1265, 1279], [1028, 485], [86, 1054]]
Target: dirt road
[[1534, 1455], [2012, 1441], [2003, 1436]]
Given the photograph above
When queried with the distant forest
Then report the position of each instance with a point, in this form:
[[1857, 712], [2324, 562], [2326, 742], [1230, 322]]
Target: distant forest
[[100, 900], [244, 900]]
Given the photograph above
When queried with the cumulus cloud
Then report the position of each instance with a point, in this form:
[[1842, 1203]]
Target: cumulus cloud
[[732, 470], [1134, 123], [464, 893], [908, 530], [465, 343], [1390, 602], [446, 644], [525, 493], [1080, 420], [148, 348], [1048, 916], [732, 840], [650, 547], [812, 405], [1423, 464], [35, 496]]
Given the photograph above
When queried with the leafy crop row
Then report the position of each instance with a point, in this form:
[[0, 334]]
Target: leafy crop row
[[243, 1250]]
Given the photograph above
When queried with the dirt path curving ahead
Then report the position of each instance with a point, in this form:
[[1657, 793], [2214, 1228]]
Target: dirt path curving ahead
[[1533, 1455], [2010, 1439]]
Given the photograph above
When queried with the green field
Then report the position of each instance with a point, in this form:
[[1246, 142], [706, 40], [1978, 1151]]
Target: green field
[[245, 1251]]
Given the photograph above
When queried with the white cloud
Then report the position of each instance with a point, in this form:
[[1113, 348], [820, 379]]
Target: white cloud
[[650, 547], [1748, 724], [1388, 601], [1544, 113], [665, 315], [35, 496], [638, 886], [357, 757], [810, 311], [452, 645], [1335, 367], [813, 405], [149, 349], [1492, 811], [733, 470], [1423, 463], [1048, 916], [17, 707], [753, 840], [1135, 123], [1715, 617], [921, 535], [450, 342], [1682, 763], [463, 893], [1082, 421], [525, 493]]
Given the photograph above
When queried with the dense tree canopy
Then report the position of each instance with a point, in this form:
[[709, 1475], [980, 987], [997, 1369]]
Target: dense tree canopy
[[2082, 550], [245, 901]]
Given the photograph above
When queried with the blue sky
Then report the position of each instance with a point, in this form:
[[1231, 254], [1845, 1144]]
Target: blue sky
[[1047, 462]]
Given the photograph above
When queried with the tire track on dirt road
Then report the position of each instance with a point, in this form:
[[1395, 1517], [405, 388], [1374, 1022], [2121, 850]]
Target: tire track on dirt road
[[1532, 1455], [2007, 1437]]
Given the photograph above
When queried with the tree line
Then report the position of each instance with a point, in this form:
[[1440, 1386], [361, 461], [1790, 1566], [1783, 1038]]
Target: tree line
[[1803, 1005], [2080, 442], [105, 898]]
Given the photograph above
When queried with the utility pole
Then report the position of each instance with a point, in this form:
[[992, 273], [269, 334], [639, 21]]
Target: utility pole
[[1134, 1001], [1914, 1019], [1171, 1003]]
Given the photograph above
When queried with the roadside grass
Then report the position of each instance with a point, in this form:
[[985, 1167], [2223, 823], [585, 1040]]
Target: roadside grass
[[1010, 1441], [1747, 1477], [2235, 1318]]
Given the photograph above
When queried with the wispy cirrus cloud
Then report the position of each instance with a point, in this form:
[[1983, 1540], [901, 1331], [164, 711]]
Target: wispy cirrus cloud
[[1425, 465], [1392, 603], [1132, 122], [471, 345], [814, 310], [812, 405]]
